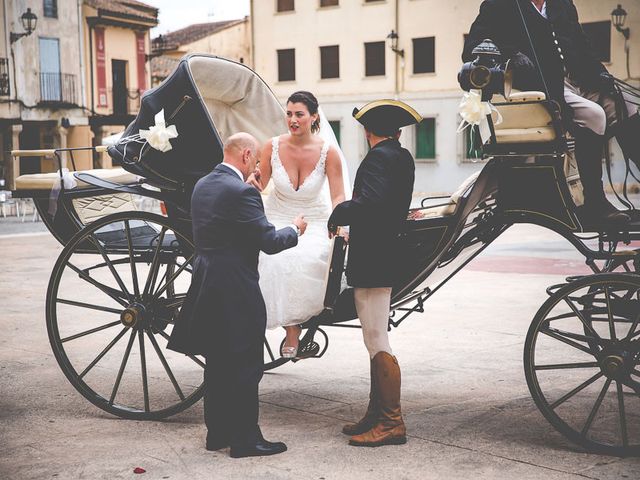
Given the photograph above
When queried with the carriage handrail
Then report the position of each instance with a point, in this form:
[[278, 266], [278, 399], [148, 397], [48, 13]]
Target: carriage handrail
[[50, 152]]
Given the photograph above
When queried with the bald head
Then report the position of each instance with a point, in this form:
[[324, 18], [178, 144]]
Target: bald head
[[241, 151]]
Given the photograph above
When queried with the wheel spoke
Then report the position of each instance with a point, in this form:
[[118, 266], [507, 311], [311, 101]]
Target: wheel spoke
[[143, 366], [89, 332], [173, 277], [109, 263], [163, 360], [123, 364], [559, 366], [111, 292], [89, 305], [558, 335], [586, 324], [633, 327], [192, 357], [612, 326], [266, 344], [596, 407], [579, 388], [623, 416], [134, 273], [103, 352], [155, 264]]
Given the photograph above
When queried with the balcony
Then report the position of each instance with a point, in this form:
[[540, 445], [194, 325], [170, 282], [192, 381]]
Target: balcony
[[5, 85], [124, 102], [58, 89]]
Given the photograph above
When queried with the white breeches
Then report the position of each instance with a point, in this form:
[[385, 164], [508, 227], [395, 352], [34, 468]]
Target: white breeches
[[372, 305], [591, 110]]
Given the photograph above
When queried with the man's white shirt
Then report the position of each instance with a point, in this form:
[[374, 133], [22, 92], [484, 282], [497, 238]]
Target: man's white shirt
[[238, 172], [543, 10]]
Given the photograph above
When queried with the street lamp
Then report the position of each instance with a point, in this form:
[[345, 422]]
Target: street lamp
[[393, 43], [618, 17], [29, 21]]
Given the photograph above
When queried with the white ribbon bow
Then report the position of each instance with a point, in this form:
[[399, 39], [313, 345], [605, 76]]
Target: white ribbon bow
[[474, 111], [158, 135]]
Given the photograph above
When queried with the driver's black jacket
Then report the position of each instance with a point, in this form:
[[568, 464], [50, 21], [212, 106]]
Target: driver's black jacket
[[561, 45]]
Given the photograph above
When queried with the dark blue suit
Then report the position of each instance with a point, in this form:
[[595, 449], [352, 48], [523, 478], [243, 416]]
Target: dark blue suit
[[224, 317]]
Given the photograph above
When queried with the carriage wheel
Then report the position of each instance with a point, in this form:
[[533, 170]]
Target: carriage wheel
[[113, 296], [582, 362]]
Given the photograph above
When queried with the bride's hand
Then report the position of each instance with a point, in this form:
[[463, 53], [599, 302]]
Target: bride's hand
[[254, 179]]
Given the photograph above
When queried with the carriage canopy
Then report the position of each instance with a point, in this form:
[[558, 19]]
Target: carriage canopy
[[207, 99]]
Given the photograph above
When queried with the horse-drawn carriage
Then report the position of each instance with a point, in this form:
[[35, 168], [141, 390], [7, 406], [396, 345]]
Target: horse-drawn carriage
[[120, 280]]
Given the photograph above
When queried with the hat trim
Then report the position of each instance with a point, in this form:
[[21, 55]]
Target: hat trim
[[369, 106]]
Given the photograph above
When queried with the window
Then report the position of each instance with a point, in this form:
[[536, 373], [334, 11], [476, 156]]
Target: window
[[335, 126], [599, 34], [329, 3], [330, 62], [424, 55], [374, 59], [286, 65], [50, 8], [285, 5], [426, 139]]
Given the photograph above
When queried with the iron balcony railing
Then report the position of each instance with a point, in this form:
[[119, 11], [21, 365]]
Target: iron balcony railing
[[124, 101], [5, 88], [58, 88]]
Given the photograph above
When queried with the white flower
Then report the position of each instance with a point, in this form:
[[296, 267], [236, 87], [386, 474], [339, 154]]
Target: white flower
[[158, 135]]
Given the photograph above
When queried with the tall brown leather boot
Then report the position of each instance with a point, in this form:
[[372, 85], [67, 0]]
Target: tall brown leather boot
[[389, 428], [371, 415]]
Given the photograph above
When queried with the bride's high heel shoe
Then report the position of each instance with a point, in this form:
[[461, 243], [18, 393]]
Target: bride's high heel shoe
[[288, 352]]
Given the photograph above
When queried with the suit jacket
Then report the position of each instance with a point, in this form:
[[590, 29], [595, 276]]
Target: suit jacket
[[376, 214], [224, 301], [573, 54]]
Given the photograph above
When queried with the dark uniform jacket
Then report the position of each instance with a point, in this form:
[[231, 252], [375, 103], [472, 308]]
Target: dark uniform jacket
[[224, 306], [376, 214], [561, 44]]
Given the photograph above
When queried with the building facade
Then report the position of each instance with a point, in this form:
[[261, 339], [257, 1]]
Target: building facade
[[345, 52], [229, 39], [42, 102], [117, 46]]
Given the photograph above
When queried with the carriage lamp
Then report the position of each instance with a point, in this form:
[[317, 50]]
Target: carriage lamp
[[393, 43], [618, 17], [29, 21]]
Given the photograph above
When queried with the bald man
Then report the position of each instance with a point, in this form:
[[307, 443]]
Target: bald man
[[224, 317]]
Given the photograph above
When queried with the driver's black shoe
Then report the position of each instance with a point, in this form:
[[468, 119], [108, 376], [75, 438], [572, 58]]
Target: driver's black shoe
[[257, 448], [603, 214]]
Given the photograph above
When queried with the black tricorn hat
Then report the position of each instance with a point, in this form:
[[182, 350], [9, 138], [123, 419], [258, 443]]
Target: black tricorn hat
[[385, 117]]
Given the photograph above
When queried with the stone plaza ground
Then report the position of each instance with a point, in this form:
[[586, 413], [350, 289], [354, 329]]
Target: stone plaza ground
[[468, 410]]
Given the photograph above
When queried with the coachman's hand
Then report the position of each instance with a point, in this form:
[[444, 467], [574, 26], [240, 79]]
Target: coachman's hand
[[522, 62]]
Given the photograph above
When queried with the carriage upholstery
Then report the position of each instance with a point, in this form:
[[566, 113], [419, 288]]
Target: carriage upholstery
[[448, 207], [524, 118], [46, 181]]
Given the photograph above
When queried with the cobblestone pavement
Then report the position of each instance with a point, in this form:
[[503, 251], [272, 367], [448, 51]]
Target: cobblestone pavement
[[468, 410]]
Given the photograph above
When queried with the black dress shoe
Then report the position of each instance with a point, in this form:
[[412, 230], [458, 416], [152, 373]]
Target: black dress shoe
[[259, 448], [602, 215]]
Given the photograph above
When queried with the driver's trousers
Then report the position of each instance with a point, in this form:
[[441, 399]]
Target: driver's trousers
[[372, 305]]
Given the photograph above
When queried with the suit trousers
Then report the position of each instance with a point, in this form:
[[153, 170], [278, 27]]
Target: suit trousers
[[231, 376], [591, 109], [372, 305]]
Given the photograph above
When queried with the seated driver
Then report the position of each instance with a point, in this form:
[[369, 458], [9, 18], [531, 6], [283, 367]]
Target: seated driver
[[574, 77]]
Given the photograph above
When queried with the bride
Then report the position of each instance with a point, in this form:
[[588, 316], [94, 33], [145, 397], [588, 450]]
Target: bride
[[300, 164]]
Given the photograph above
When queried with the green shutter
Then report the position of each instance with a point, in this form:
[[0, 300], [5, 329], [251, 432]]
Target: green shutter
[[335, 126], [426, 139], [470, 152]]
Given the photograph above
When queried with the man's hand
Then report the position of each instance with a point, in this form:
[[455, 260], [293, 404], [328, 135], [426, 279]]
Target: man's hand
[[607, 82], [521, 61], [301, 223], [255, 180]]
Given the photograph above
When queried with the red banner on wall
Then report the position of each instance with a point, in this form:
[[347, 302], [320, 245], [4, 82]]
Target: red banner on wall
[[101, 69], [141, 60]]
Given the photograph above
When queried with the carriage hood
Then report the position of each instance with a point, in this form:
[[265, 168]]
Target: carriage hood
[[206, 99]]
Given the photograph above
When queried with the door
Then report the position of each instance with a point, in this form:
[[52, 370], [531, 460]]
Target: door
[[119, 85], [50, 78]]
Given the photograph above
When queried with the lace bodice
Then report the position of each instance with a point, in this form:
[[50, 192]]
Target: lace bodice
[[310, 199]]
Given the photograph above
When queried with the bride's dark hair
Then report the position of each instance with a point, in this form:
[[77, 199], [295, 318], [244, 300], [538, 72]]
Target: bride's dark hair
[[311, 102]]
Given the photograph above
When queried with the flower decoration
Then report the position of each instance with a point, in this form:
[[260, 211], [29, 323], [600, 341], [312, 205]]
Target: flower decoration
[[158, 135]]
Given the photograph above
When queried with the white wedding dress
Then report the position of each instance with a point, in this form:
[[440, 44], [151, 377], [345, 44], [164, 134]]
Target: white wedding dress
[[293, 281]]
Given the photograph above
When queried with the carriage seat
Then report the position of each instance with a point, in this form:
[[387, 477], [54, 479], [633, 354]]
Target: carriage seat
[[46, 181], [448, 207], [524, 120]]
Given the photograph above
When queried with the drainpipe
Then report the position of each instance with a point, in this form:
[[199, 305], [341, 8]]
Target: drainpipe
[[83, 78], [93, 110], [397, 57], [253, 41]]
